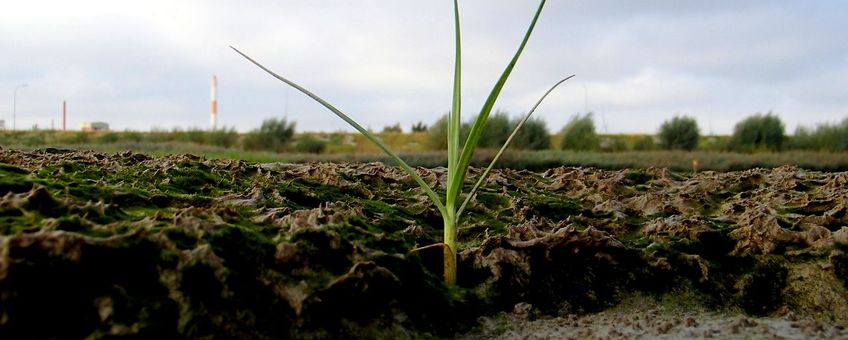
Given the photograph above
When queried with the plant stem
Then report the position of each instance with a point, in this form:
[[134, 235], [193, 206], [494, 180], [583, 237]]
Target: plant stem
[[450, 248]]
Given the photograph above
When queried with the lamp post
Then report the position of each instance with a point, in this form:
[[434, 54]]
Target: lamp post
[[15, 104]]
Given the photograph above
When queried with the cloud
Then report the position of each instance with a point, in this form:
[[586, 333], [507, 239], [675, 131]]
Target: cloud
[[149, 64]]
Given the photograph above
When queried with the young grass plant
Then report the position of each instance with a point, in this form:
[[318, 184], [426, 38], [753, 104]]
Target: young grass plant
[[459, 153]]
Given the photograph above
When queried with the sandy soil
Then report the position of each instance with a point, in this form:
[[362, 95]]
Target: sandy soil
[[644, 318]]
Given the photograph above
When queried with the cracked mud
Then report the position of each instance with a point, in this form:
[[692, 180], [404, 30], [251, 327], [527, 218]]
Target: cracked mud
[[98, 245]]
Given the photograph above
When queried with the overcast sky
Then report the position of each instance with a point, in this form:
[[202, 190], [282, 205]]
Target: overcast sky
[[144, 64]]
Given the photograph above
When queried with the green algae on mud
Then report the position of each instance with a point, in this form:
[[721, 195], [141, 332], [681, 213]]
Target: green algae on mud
[[98, 245]]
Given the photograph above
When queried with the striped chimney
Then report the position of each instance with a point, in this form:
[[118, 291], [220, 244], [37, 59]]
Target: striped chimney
[[213, 118]]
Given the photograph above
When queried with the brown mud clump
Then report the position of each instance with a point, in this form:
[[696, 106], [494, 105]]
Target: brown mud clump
[[95, 246], [565, 270]]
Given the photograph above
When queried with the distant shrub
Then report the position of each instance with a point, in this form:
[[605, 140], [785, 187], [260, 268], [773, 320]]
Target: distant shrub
[[533, 135], [495, 132], [393, 128], [758, 132], [133, 136], [224, 137], [579, 134], [177, 134], [195, 135], [831, 137], [835, 137], [339, 138], [253, 141], [159, 135], [108, 138], [70, 138], [273, 135], [34, 138], [805, 138], [679, 133], [714, 143], [419, 127], [437, 137], [310, 144], [645, 143]]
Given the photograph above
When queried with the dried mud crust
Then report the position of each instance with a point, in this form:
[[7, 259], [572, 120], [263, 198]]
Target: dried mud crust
[[98, 245]]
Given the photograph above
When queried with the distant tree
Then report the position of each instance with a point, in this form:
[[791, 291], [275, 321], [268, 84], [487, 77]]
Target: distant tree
[[274, 135], [679, 133], [533, 135], [804, 138], [495, 132], [579, 134], [437, 138], [419, 127], [393, 128], [758, 132], [836, 136], [832, 137]]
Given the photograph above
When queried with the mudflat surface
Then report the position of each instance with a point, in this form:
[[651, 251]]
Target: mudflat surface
[[645, 318], [95, 245]]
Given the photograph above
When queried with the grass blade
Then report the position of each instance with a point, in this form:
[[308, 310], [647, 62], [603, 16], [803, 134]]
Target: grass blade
[[359, 128], [477, 128], [454, 118], [503, 148]]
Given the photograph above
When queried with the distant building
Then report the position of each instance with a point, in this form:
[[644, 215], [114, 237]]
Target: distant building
[[2, 124], [94, 126]]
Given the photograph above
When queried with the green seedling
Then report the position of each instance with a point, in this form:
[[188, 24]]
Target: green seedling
[[459, 157]]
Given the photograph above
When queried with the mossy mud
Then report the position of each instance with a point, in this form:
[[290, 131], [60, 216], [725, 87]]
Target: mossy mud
[[94, 245]]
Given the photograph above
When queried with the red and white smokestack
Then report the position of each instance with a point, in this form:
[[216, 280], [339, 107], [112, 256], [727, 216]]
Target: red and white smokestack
[[213, 118], [64, 115]]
